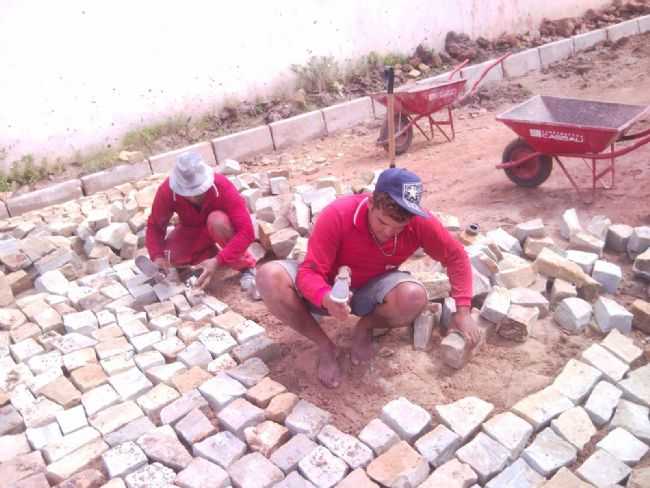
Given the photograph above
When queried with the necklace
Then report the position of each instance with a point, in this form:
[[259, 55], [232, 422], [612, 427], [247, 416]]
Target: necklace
[[387, 254]]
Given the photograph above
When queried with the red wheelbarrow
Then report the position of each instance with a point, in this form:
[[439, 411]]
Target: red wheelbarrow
[[554, 127], [415, 102]]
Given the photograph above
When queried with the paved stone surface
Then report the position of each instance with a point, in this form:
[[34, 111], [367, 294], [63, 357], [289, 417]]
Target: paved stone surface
[[576, 380], [194, 427], [610, 315], [165, 449], [405, 418], [307, 418], [452, 474], [349, 449], [263, 392], [222, 448], [294, 480], [541, 407], [250, 372], [485, 456], [622, 347], [510, 431], [464, 416], [357, 479], [439, 445], [151, 476], [201, 473], [266, 437], [401, 465], [548, 453], [601, 403], [600, 358], [639, 478], [378, 436], [603, 469], [123, 459], [564, 478], [573, 314], [633, 418], [575, 427], [287, 456], [180, 407], [623, 446], [609, 275], [254, 471], [322, 468], [238, 415], [221, 390], [519, 474], [130, 432], [637, 385]]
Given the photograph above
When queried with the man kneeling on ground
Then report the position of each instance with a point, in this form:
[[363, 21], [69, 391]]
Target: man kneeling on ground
[[373, 235], [214, 227]]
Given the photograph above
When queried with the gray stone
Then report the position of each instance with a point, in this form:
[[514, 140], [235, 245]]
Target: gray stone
[[583, 259], [526, 297], [570, 224], [639, 241], [505, 241], [12, 446], [194, 427], [260, 346], [485, 456], [238, 415], [67, 444], [10, 420], [201, 473], [633, 418], [562, 289], [123, 459], [575, 427], [98, 399], [349, 449], [254, 471], [250, 372], [196, 354], [294, 480], [610, 315], [297, 129], [622, 347], [130, 384], [407, 419], [510, 431], [179, 408], [600, 358], [583, 241], [307, 419], [243, 144], [602, 469], [553, 52], [151, 476], [532, 228], [541, 407], [423, 330], [439, 445], [518, 475], [452, 474], [222, 448], [602, 402], [465, 416], [217, 341], [573, 314], [72, 419], [609, 275], [287, 456], [378, 436], [589, 39], [576, 380], [548, 453], [53, 282], [496, 305], [623, 446], [221, 390], [322, 468], [163, 448], [39, 437], [618, 236], [636, 386]]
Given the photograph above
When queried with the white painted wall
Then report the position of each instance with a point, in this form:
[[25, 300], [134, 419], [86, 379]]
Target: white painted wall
[[77, 73]]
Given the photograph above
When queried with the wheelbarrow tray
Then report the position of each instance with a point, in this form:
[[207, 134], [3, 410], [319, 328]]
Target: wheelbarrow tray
[[569, 126], [424, 99]]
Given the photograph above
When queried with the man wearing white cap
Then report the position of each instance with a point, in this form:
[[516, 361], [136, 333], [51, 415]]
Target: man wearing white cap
[[214, 227]]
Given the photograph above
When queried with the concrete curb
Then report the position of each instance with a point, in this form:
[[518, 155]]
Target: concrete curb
[[304, 127], [471, 74], [115, 176], [57, 193], [243, 144]]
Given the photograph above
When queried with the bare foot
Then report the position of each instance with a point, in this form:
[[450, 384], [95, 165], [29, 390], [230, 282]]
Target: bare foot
[[329, 372], [362, 350]]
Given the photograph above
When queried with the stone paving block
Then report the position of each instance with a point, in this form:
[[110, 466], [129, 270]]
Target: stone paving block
[[297, 129], [356, 479], [575, 427], [185, 381], [465, 415], [633, 418], [548, 453], [196, 354], [510, 431], [610, 315], [484, 455], [521, 63], [244, 144], [349, 449], [112, 418], [564, 478], [51, 195], [130, 384], [576, 380], [157, 398], [636, 386], [69, 443], [217, 341], [151, 476], [201, 473], [165, 449], [61, 391], [35, 481], [618, 236], [147, 360], [573, 314], [164, 373], [287, 456], [39, 437], [307, 419], [163, 163], [407, 419], [609, 275], [123, 459], [170, 347], [41, 412], [113, 347], [622, 347], [180, 407], [639, 241], [80, 459], [261, 346], [602, 402], [262, 393], [266, 437], [294, 480], [194, 427], [585, 260], [13, 445], [145, 342], [439, 445], [622, 29], [553, 52], [254, 471], [221, 390], [541, 407], [21, 467], [519, 474], [602, 469], [250, 372], [322, 468], [238, 415], [380, 437], [496, 305], [597, 356], [623, 446], [641, 311], [23, 350], [452, 474], [72, 419], [526, 297], [222, 448]]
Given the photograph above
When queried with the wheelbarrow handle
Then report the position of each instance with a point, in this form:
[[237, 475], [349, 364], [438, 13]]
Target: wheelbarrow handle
[[458, 68], [484, 74]]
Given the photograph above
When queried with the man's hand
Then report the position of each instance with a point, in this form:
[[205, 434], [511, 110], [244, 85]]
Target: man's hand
[[209, 267], [463, 322], [339, 311], [162, 264]]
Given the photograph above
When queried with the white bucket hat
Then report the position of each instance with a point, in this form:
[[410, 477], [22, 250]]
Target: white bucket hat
[[190, 176]]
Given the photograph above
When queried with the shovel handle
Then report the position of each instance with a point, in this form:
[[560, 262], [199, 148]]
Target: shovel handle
[[389, 73]]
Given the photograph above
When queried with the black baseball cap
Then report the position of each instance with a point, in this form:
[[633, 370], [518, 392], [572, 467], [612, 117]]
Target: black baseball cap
[[404, 187]]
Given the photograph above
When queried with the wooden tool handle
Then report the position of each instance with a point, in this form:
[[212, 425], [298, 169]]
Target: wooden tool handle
[[390, 114]]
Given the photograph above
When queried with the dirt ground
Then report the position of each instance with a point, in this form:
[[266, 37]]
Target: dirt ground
[[460, 179]]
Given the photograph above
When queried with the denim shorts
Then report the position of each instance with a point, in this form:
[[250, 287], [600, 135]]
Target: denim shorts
[[365, 299]]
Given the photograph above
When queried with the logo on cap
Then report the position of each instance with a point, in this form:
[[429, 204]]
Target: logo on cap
[[411, 194]]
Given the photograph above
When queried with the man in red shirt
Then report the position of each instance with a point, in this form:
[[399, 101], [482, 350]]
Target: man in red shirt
[[214, 227], [373, 235]]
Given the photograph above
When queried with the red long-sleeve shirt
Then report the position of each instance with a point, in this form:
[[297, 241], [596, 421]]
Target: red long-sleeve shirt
[[341, 237], [221, 196]]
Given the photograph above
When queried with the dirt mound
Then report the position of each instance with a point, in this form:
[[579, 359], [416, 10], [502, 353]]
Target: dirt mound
[[495, 95]]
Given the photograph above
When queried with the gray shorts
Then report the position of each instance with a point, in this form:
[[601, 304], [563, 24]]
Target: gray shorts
[[365, 299]]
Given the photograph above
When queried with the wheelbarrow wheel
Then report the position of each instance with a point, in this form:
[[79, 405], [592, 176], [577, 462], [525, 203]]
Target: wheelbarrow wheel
[[403, 141], [533, 172]]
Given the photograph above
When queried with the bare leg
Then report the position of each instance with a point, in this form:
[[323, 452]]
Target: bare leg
[[276, 288], [401, 307], [221, 231]]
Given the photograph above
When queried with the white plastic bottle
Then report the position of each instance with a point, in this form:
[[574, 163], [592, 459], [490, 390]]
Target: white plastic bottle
[[341, 290]]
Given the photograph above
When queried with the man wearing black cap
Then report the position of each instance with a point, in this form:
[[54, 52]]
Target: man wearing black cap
[[373, 235]]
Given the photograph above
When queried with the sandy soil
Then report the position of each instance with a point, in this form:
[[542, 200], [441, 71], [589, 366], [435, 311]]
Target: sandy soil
[[460, 179]]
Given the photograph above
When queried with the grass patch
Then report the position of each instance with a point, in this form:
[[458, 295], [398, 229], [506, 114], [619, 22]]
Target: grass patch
[[98, 161], [145, 137]]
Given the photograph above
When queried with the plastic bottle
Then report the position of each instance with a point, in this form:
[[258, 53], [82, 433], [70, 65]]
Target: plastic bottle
[[341, 290]]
